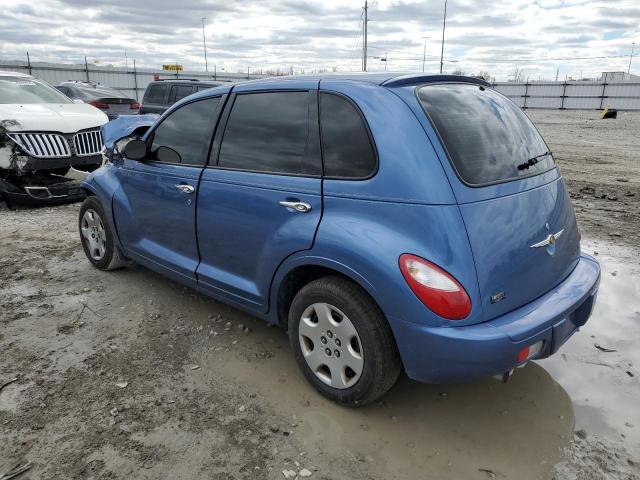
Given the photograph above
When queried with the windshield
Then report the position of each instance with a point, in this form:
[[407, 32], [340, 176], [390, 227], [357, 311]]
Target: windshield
[[24, 90], [488, 138]]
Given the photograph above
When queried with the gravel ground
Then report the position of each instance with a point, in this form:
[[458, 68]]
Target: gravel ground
[[128, 375], [600, 161]]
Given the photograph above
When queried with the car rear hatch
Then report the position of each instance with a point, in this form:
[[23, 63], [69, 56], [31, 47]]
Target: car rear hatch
[[117, 106], [518, 215]]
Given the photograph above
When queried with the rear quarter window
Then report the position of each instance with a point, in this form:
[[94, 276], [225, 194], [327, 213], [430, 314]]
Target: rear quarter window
[[155, 94], [346, 146], [487, 137]]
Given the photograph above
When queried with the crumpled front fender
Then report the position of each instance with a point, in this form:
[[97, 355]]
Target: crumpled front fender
[[126, 125]]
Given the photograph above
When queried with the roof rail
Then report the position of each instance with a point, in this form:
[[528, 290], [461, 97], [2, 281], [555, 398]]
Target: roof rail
[[177, 79], [413, 79]]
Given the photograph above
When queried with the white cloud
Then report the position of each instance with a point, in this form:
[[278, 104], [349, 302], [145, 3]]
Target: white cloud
[[539, 36]]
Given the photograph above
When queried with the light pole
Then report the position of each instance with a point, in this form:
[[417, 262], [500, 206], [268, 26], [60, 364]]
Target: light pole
[[424, 53], [633, 46], [204, 44], [365, 35], [444, 24]]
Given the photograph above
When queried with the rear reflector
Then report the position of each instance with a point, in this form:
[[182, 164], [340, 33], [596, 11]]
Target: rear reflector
[[436, 288], [529, 351]]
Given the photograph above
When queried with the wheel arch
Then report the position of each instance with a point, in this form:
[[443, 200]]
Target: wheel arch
[[295, 273]]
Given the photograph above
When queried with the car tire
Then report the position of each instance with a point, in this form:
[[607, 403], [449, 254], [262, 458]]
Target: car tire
[[354, 370], [97, 239]]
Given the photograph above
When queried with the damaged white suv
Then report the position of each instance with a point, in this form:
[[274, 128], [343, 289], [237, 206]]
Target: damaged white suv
[[43, 134]]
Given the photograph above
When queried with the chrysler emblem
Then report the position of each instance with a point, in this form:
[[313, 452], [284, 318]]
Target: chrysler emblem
[[549, 241]]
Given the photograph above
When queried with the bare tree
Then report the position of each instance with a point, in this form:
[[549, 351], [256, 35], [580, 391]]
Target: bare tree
[[518, 74], [484, 75], [458, 71]]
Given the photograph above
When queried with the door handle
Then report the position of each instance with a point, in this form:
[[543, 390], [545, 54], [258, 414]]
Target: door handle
[[184, 188], [301, 207]]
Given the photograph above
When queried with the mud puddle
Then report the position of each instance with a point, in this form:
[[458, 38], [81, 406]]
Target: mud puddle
[[210, 392]]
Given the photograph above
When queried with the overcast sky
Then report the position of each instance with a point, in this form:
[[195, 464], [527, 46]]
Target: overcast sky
[[539, 36]]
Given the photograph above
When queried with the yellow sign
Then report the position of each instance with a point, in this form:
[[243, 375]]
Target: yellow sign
[[172, 68]]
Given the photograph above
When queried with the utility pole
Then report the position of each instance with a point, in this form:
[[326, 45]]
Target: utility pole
[[444, 25], [557, 73], [424, 53], [364, 40], [633, 46], [204, 44]]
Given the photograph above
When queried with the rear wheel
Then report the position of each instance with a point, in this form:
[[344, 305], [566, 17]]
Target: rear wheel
[[342, 341], [97, 238]]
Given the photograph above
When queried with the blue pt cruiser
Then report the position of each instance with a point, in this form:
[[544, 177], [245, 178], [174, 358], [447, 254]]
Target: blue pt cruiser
[[387, 221]]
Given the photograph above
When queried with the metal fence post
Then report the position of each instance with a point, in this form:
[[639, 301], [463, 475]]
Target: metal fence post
[[86, 68], [28, 63], [562, 97], [135, 78], [602, 97], [526, 90]]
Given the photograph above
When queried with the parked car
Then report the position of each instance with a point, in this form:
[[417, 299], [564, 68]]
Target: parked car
[[42, 135], [416, 222], [161, 94], [111, 101]]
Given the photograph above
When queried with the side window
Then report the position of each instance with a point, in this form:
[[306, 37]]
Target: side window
[[267, 132], [188, 131], [346, 145], [155, 94], [178, 92]]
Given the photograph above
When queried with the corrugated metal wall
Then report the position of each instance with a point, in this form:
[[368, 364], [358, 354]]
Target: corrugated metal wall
[[551, 95], [131, 82], [573, 95]]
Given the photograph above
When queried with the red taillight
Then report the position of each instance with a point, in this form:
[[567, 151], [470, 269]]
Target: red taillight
[[101, 105], [523, 354], [134, 106], [436, 288]]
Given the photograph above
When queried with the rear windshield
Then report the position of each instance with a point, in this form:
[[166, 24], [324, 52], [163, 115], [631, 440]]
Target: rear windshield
[[25, 90], [488, 138], [100, 92]]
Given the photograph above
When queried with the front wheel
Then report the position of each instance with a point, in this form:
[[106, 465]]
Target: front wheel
[[342, 341], [97, 238]]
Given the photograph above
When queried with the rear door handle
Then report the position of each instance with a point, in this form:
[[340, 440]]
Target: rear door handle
[[184, 188], [301, 207]]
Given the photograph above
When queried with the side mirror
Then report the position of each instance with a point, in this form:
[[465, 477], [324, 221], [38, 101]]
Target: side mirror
[[135, 150], [167, 155]]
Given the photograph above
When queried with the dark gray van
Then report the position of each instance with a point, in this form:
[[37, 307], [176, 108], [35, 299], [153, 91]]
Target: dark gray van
[[161, 94]]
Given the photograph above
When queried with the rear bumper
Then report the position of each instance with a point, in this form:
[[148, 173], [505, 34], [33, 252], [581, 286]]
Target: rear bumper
[[455, 354]]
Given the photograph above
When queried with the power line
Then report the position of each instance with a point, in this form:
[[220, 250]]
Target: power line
[[533, 60]]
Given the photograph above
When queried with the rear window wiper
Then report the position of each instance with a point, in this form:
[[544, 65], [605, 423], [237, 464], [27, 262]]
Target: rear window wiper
[[532, 161]]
